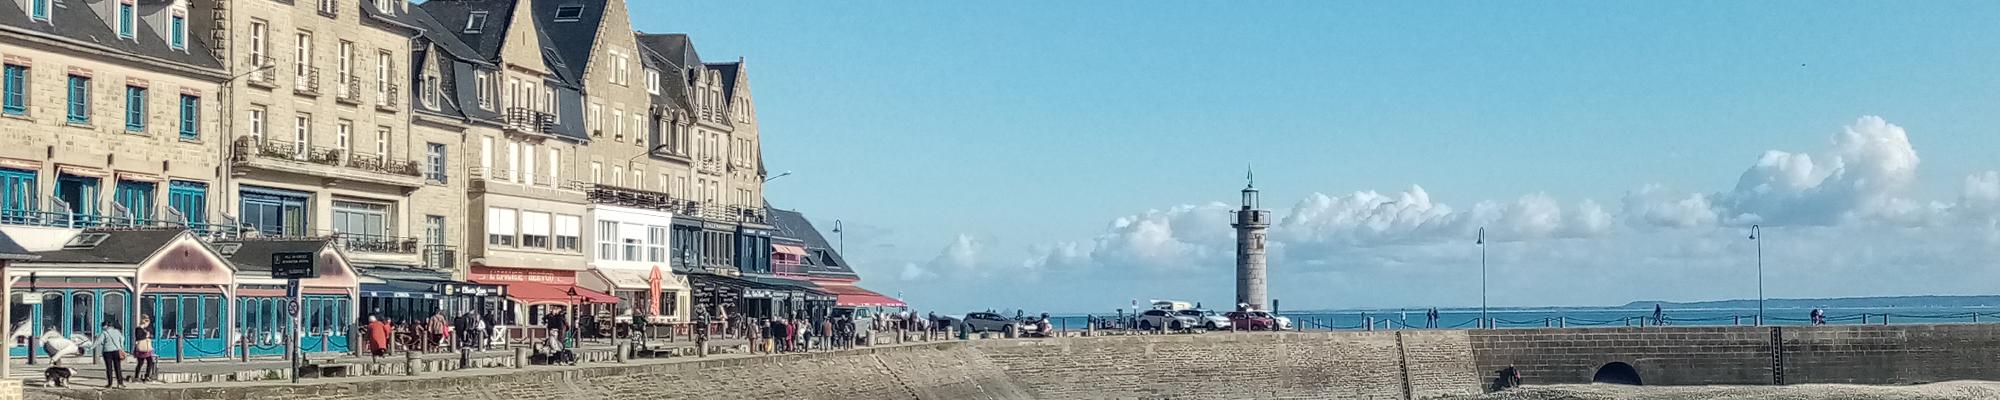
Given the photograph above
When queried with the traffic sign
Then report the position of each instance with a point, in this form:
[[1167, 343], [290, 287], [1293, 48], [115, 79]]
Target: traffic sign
[[293, 265], [292, 307]]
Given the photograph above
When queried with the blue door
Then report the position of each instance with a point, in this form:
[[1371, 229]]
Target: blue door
[[74, 313], [187, 325]]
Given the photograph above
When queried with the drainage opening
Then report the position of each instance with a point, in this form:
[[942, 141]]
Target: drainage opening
[[1617, 373]]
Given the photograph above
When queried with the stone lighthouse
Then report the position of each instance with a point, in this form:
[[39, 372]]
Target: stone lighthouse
[[1251, 222]]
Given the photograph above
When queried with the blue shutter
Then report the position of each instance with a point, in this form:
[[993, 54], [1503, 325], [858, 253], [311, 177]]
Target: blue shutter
[[137, 197], [17, 196], [16, 82], [135, 109], [190, 117], [180, 32], [125, 21], [79, 100], [191, 200], [41, 9]]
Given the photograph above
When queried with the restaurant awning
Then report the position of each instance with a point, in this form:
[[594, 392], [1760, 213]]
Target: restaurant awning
[[400, 289], [855, 296], [542, 293], [795, 250], [623, 279]]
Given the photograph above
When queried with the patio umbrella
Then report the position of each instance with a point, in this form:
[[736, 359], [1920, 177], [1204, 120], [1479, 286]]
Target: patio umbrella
[[653, 290]]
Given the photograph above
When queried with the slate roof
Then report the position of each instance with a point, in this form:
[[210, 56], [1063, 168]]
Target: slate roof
[[577, 38], [255, 255], [78, 20], [824, 258], [437, 33], [728, 70], [10, 250], [452, 15], [672, 89], [120, 247]]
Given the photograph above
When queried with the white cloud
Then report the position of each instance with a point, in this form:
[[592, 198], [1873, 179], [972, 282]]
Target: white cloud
[[1870, 165]]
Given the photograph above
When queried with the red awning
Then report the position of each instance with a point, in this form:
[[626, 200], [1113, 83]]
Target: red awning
[[855, 296], [542, 293], [789, 249]]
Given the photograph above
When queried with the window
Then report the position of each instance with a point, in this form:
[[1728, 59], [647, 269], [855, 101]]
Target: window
[[275, 212], [475, 22], [638, 128], [500, 227], [434, 230], [190, 200], [343, 69], [19, 194], [190, 117], [135, 109], [596, 173], [568, 237], [38, 10], [549, 103], [596, 120], [528, 164], [535, 229], [366, 221], [620, 74], [656, 244], [137, 200], [384, 6], [484, 87], [632, 237], [180, 32], [79, 99], [257, 123], [382, 142], [513, 162], [15, 96], [555, 169], [385, 65], [301, 135], [343, 137], [569, 13], [618, 124], [486, 157], [607, 240], [259, 48], [431, 91], [617, 176], [302, 64], [652, 81], [435, 158], [127, 21], [330, 8]]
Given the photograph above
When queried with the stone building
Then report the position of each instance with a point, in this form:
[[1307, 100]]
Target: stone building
[[110, 115], [320, 129]]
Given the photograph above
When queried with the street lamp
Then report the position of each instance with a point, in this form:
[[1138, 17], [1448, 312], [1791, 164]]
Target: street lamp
[[842, 233], [779, 175], [1484, 320], [1756, 235]]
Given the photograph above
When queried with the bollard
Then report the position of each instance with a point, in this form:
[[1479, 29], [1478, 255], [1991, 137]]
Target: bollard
[[180, 348], [520, 357], [31, 348], [1885, 319], [409, 363], [1628, 322], [464, 357], [1864, 318], [1089, 329], [622, 355], [1975, 318], [1738, 320], [1367, 323], [1562, 322], [1545, 322], [244, 348]]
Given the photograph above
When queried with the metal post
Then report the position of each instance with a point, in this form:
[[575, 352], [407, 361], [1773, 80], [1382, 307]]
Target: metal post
[[180, 344], [1756, 236], [1483, 317]]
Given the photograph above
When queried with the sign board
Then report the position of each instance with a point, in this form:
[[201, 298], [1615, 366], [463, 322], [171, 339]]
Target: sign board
[[294, 265], [292, 307], [31, 298]]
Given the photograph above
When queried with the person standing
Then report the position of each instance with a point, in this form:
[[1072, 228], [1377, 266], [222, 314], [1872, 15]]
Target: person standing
[[145, 364], [111, 344], [440, 329], [378, 337]]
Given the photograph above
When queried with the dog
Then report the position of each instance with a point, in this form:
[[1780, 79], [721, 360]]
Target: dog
[[58, 376]]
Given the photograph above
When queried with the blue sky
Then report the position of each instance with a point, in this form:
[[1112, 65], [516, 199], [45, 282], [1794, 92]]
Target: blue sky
[[984, 155]]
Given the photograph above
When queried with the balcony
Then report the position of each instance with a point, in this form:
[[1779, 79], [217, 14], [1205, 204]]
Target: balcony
[[710, 165], [525, 120], [295, 158], [385, 97], [497, 181], [747, 214], [635, 198], [265, 77], [440, 257], [348, 90], [306, 82], [364, 243]]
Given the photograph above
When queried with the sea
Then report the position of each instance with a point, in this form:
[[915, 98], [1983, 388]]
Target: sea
[[1630, 315]]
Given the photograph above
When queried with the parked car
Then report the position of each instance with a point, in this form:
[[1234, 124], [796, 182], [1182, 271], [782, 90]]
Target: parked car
[[1171, 320], [988, 322], [1252, 320], [1207, 319]]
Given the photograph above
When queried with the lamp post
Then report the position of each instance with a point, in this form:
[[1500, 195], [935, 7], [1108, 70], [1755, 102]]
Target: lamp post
[[1757, 235], [1484, 320], [779, 175], [842, 233]]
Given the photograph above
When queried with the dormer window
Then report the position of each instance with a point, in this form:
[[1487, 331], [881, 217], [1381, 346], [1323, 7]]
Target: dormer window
[[386, 6], [476, 22], [128, 19], [38, 10], [569, 13], [652, 81], [179, 31]]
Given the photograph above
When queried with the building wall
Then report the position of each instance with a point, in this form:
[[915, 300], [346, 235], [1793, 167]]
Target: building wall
[[43, 139]]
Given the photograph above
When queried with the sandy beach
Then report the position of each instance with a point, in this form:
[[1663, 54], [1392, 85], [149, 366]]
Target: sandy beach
[[1957, 390]]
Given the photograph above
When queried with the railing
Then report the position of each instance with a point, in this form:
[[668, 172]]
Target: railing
[[386, 96], [709, 165], [247, 147], [307, 80], [440, 257], [375, 243], [748, 214], [607, 194], [31, 217], [264, 67], [523, 119], [349, 90]]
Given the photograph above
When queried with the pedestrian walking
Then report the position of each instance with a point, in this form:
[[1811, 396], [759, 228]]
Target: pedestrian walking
[[440, 329], [378, 337], [111, 345], [1659, 315], [145, 364]]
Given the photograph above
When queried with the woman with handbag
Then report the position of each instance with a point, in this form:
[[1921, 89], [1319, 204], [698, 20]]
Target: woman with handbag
[[145, 364], [111, 344]]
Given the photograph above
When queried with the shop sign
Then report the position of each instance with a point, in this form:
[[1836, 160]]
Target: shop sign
[[474, 290], [757, 293], [551, 277]]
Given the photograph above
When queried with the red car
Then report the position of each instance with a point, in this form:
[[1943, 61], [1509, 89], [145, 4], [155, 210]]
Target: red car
[[1249, 321]]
